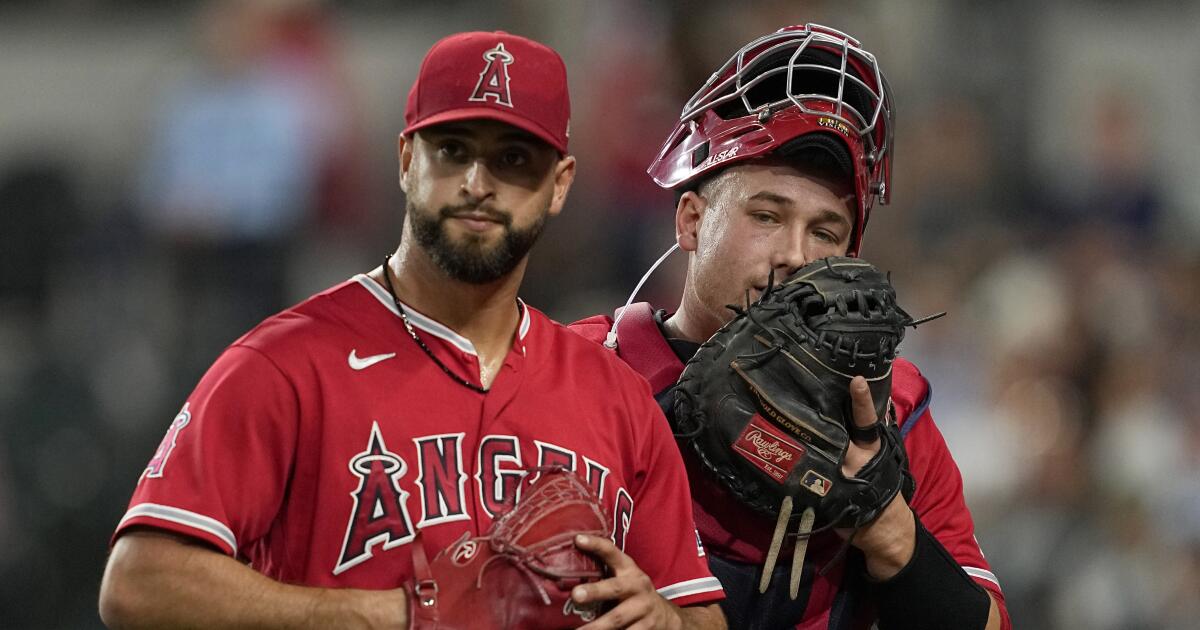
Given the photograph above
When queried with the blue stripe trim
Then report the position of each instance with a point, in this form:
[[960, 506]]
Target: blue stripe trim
[[918, 412]]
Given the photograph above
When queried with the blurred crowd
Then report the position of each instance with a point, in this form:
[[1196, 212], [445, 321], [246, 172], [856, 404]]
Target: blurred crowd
[[259, 166]]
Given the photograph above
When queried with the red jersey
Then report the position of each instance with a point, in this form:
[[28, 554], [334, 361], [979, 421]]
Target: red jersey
[[732, 532], [320, 442]]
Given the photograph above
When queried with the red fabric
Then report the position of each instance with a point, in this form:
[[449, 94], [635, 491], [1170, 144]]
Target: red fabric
[[318, 473]]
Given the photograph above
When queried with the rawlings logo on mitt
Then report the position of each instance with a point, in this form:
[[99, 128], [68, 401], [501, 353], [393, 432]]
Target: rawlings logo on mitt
[[520, 574], [765, 403]]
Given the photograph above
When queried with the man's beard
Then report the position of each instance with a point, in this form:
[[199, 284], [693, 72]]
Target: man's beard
[[470, 259]]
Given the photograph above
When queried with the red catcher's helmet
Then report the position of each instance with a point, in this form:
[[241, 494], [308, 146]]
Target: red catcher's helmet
[[801, 87]]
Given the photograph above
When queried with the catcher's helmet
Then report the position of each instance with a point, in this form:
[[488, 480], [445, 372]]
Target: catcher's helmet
[[801, 87]]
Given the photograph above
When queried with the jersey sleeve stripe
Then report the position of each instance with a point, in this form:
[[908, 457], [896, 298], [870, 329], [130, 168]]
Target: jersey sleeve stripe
[[982, 574], [183, 517], [690, 587], [918, 411]]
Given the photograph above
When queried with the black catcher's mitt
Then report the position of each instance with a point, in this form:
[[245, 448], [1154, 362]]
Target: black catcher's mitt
[[765, 403]]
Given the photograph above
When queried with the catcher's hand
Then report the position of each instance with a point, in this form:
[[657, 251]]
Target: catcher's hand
[[521, 573], [860, 451], [765, 402]]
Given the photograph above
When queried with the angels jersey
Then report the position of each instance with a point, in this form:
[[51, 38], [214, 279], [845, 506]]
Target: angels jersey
[[731, 532], [320, 442]]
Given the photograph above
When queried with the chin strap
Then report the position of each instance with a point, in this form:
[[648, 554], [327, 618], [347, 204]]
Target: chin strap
[[610, 341]]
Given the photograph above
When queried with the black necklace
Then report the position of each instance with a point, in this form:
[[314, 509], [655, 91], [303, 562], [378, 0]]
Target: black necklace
[[387, 279]]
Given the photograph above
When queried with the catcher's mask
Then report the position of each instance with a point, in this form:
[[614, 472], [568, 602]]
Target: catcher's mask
[[802, 87]]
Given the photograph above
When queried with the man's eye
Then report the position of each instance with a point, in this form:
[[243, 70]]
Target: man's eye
[[452, 150], [514, 158], [828, 237], [765, 218]]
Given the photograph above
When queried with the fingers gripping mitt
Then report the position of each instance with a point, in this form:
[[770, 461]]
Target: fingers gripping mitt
[[521, 572], [765, 405]]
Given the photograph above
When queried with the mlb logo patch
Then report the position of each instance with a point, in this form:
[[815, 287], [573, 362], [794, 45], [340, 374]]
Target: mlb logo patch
[[815, 483]]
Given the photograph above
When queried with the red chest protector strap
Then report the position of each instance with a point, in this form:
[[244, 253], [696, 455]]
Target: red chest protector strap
[[641, 344]]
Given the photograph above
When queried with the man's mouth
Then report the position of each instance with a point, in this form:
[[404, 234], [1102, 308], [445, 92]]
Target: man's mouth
[[478, 216], [477, 219]]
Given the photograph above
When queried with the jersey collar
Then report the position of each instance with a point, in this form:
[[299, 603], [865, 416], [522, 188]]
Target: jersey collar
[[429, 325]]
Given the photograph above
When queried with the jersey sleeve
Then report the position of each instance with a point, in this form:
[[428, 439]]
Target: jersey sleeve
[[662, 536], [219, 474], [594, 328], [938, 500]]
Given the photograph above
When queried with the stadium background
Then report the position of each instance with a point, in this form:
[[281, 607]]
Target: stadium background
[[171, 172]]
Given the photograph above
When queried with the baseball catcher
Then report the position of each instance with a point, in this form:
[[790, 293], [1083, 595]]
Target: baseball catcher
[[765, 402], [520, 574]]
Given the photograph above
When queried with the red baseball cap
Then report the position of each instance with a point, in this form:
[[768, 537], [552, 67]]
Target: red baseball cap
[[497, 76]]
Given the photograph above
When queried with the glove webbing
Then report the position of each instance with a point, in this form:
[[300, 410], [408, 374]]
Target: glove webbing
[[562, 491]]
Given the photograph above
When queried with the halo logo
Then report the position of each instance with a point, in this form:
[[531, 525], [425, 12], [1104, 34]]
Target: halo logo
[[493, 80]]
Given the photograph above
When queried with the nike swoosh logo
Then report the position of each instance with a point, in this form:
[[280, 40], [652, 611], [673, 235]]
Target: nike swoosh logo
[[362, 363]]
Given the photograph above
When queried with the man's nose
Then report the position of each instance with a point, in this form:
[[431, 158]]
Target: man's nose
[[478, 182], [791, 255]]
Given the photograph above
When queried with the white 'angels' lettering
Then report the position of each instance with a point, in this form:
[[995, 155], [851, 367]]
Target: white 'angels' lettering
[[379, 515], [441, 480]]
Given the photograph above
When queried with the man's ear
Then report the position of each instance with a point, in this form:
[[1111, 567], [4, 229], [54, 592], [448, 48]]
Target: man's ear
[[564, 175], [689, 212], [404, 149]]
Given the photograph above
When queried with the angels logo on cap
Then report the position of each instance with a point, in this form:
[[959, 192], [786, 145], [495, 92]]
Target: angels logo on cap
[[521, 83], [493, 80]]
